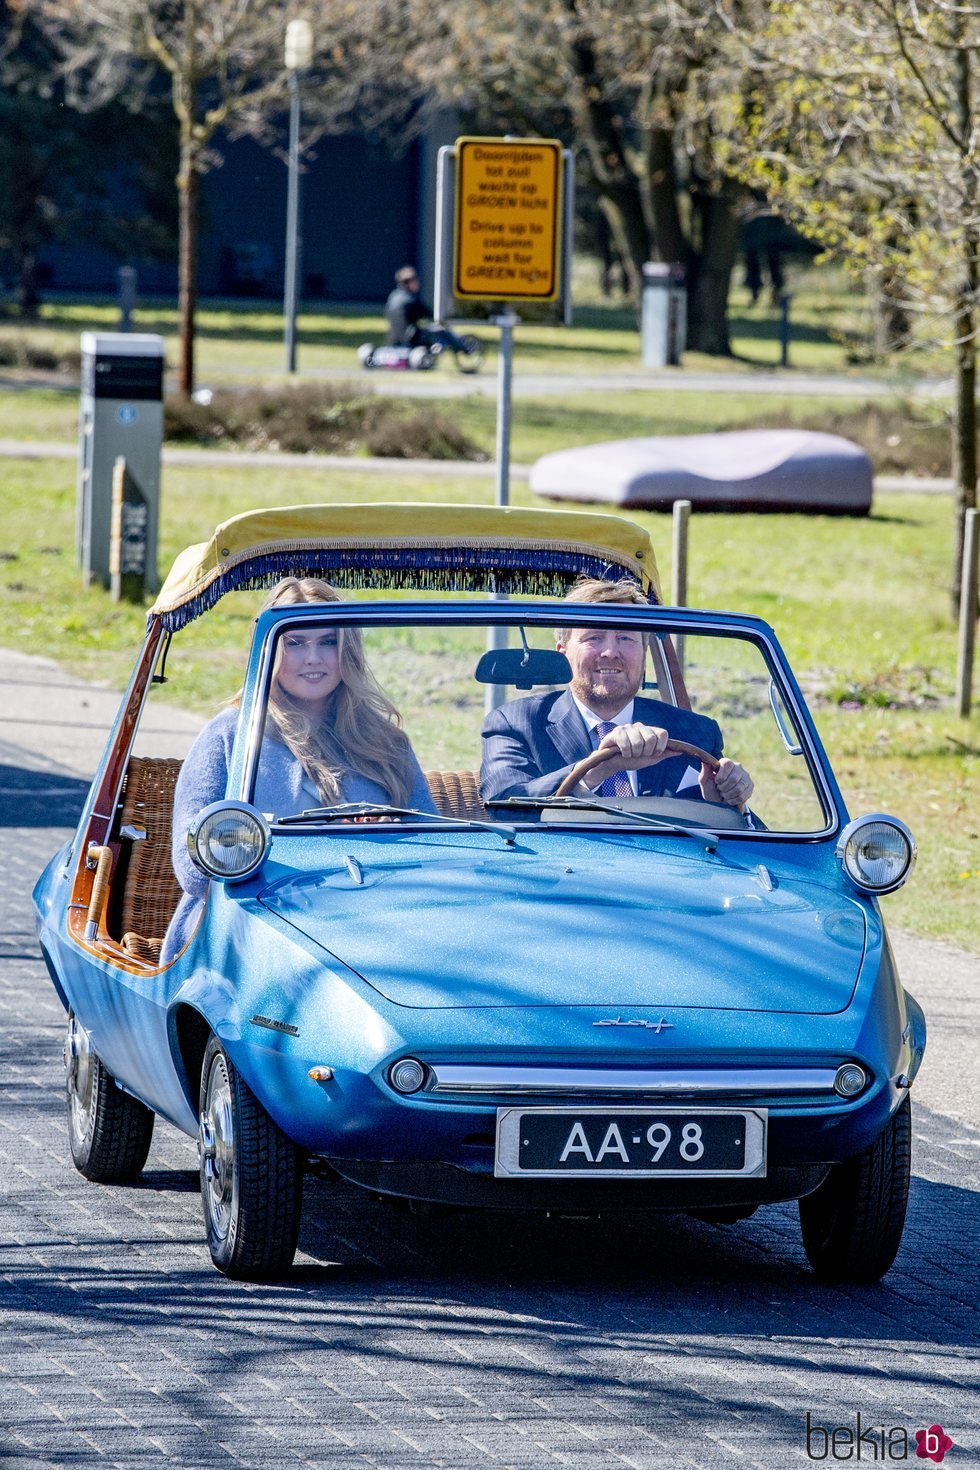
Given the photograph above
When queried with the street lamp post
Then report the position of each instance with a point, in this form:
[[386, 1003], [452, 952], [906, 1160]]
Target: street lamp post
[[299, 54]]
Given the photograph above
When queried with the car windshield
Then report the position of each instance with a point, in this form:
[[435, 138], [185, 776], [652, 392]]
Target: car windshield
[[530, 722]]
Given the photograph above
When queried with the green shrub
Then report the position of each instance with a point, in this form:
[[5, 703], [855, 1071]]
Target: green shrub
[[22, 353], [314, 418]]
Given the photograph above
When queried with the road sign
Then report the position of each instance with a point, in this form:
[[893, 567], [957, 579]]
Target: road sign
[[509, 219]]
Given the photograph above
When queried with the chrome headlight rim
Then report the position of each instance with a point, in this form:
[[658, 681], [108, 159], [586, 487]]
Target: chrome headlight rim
[[851, 1080], [404, 1065], [198, 832], [847, 841]]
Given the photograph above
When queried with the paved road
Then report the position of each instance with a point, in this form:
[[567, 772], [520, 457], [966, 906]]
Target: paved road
[[763, 380], [453, 1341]]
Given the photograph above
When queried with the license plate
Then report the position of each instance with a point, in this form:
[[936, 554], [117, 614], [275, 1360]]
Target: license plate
[[630, 1143]]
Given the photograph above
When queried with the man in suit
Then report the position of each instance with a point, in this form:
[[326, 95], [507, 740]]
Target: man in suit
[[531, 744]]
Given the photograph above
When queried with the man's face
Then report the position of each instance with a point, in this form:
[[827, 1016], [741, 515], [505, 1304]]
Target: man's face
[[607, 666]]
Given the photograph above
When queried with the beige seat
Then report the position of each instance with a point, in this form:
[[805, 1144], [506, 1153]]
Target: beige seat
[[457, 794]]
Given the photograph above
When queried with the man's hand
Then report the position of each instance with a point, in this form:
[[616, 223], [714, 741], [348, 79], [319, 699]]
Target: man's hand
[[731, 784], [630, 747]]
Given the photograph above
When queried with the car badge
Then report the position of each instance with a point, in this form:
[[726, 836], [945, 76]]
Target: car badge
[[286, 1027], [658, 1026]]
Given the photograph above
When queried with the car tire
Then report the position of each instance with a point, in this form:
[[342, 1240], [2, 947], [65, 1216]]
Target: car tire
[[852, 1224], [109, 1131], [251, 1176]]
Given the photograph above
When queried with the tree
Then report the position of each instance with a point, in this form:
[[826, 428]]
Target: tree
[[224, 63], [863, 123], [633, 82], [57, 169]]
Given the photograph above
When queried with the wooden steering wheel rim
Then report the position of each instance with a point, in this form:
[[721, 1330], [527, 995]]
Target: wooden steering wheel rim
[[596, 757]]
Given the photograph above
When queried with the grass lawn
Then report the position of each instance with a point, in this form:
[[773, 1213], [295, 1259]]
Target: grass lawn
[[241, 339], [900, 438], [860, 607]]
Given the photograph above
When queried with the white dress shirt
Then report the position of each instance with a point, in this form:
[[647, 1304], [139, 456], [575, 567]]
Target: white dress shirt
[[624, 717]]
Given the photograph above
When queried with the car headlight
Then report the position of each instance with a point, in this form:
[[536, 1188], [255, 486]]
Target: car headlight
[[408, 1075], [877, 853], [228, 840], [850, 1079]]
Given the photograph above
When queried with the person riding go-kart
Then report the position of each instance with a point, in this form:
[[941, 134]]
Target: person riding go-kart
[[409, 343]]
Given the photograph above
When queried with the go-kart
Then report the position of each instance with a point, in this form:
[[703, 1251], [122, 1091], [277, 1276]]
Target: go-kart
[[534, 1002], [468, 357]]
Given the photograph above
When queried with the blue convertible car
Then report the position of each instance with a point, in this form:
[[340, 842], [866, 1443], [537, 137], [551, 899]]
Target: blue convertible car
[[510, 984]]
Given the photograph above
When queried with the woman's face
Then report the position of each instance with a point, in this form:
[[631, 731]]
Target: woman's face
[[309, 664]]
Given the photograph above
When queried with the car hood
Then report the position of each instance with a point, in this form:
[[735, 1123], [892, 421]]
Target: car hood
[[626, 927]]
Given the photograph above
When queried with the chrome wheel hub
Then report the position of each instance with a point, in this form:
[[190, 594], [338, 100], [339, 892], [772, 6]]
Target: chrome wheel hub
[[216, 1148], [78, 1078]]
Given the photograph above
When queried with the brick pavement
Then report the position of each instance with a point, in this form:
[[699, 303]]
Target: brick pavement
[[449, 1340]]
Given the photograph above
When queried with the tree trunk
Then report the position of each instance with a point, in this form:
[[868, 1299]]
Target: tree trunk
[[711, 277], [964, 442], [189, 187], [668, 230], [891, 324], [28, 296], [616, 183], [965, 403], [629, 232]]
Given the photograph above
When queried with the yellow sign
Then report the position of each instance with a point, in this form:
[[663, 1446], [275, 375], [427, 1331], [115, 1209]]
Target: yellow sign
[[508, 219]]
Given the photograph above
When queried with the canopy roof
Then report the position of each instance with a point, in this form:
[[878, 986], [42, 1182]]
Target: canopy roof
[[458, 548]]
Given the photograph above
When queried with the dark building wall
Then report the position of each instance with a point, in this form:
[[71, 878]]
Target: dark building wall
[[362, 217]]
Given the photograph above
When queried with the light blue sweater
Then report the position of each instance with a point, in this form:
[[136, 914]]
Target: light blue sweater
[[281, 787]]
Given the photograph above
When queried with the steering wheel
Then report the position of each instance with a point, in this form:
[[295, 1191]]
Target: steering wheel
[[596, 757]]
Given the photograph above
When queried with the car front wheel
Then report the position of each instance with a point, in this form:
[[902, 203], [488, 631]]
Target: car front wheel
[[251, 1176], [852, 1225], [110, 1132]]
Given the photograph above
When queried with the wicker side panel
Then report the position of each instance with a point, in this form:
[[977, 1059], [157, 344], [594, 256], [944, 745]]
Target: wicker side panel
[[152, 892], [457, 794]]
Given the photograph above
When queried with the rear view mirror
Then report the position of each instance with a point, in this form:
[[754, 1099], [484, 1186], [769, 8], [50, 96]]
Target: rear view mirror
[[523, 667]]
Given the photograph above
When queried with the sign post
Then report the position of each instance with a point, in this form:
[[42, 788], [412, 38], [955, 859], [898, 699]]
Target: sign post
[[505, 208]]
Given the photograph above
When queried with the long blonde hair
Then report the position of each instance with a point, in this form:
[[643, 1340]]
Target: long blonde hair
[[360, 729]]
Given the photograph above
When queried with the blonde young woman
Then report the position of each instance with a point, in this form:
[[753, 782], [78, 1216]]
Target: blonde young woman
[[332, 735]]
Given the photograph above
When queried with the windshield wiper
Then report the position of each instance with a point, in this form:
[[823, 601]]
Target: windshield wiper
[[584, 803], [350, 810]]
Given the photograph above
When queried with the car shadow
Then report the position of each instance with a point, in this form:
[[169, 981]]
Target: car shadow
[[744, 1277], [31, 798]]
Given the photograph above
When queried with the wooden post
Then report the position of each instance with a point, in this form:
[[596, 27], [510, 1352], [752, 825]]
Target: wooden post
[[127, 540], [682, 514], [968, 615]]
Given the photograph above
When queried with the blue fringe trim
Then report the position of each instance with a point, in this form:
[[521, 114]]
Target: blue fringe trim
[[449, 569]]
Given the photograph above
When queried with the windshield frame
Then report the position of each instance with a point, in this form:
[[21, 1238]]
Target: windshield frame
[[551, 614]]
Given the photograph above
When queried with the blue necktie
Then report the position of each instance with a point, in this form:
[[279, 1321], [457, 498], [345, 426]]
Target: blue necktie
[[618, 784]]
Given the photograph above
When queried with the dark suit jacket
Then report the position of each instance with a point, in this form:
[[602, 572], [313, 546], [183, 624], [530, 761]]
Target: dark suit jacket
[[531, 744]]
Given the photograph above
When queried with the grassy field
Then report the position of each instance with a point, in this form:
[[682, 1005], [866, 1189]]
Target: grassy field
[[241, 340], [860, 606], [900, 438]]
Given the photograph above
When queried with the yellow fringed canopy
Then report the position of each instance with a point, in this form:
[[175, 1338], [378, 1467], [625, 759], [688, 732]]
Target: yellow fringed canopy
[[455, 547]]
